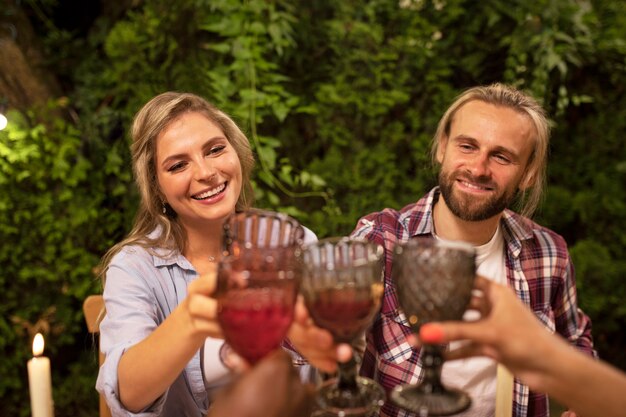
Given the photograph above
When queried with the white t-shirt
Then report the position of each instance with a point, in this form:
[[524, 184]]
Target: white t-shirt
[[477, 376]]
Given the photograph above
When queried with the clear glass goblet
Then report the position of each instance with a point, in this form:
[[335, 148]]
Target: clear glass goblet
[[434, 280], [258, 280], [342, 288]]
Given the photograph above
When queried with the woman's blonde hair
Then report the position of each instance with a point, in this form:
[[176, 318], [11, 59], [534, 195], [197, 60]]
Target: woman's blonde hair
[[153, 118], [506, 96]]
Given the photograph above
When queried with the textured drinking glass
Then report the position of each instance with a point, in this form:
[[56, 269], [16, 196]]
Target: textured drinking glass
[[342, 288], [255, 228], [258, 280], [434, 280]]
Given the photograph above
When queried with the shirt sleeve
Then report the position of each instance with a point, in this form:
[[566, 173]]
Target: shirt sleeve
[[570, 321], [131, 315]]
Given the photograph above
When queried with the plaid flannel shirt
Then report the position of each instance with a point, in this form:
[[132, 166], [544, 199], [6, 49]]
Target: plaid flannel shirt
[[538, 267]]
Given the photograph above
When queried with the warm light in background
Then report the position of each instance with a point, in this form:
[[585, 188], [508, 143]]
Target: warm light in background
[[3, 121], [38, 345]]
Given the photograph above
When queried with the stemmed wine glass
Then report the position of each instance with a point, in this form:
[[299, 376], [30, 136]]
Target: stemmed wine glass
[[434, 280], [258, 280], [342, 288]]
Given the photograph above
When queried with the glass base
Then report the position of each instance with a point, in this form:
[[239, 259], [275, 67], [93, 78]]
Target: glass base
[[424, 402], [365, 401]]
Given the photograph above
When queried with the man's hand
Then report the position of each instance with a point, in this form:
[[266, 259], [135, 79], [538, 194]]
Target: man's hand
[[314, 343]]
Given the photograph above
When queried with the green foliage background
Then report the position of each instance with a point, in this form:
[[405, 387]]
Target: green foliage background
[[340, 99]]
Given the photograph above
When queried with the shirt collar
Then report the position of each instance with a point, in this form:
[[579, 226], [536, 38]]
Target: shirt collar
[[519, 227], [515, 229], [423, 224], [166, 257]]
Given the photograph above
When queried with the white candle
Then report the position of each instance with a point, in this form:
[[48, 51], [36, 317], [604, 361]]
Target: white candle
[[39, 381]]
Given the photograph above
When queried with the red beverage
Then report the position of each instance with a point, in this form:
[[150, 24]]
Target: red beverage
[[345, 311], [255, 320]]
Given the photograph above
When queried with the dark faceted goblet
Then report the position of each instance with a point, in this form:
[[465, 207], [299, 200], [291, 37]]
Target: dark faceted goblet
[[258, 280], [342, 288], [434, 280]]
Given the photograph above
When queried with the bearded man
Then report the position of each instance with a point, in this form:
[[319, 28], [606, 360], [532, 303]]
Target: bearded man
[[491, 147]]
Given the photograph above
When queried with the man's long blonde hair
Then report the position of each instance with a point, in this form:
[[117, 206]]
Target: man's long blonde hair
[[506, 96], [154, 117]]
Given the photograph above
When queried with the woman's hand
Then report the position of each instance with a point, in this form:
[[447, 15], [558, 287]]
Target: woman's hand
[[201, 307], [511, 334], [172, 344], [508, 333]]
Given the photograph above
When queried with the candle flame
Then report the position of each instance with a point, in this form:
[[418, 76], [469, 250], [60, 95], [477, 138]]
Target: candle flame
[[38, 345]]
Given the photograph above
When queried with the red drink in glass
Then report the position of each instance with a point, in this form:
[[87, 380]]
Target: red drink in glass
[[255, 320], [345, 311], [257, 289]]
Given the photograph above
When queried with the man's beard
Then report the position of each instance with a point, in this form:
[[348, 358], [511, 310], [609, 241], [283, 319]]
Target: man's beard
[[469, 208]]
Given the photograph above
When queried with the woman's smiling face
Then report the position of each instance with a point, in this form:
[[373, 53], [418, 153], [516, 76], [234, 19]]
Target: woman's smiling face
[[198, 170]]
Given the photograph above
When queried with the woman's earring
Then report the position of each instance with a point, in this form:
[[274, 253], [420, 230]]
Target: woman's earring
[[168, 211]]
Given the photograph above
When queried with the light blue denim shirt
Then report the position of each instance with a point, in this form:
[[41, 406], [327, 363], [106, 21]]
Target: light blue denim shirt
[[141, 291]]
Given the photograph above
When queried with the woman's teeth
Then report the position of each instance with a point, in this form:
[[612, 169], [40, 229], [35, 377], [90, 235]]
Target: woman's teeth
[[210, 193]]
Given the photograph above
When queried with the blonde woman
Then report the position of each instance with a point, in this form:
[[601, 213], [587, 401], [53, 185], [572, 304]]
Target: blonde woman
[[164, 355]]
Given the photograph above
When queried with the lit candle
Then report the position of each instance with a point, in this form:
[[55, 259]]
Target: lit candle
[[39, 381]]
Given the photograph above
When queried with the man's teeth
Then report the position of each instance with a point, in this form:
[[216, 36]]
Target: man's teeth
[[210, 193], [474, 186]]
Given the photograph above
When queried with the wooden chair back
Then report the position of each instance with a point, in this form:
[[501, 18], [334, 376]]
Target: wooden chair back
[[93, 308]]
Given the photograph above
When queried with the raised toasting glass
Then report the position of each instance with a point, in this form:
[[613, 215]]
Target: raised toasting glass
[[258, 280], [342, 288], [434, 280]]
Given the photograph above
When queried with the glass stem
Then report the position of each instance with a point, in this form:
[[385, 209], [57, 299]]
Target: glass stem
[[347, 375], [432, 361]]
